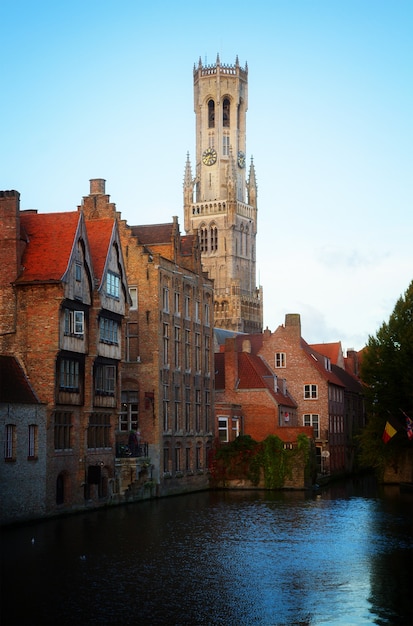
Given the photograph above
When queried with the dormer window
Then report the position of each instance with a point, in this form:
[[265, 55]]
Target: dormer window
[[112, 285], [78, 272], [327, 363]]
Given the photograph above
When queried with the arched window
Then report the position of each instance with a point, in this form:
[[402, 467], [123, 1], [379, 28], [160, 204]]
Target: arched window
[[203, 238], [211, 114], [214, 237], [225, 113]]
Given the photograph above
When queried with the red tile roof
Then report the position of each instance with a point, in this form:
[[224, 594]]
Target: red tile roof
[[318, 361], [50, 237], [99, 233], [331, 350]]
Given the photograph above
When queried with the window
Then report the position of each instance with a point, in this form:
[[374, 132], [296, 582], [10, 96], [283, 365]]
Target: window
[[98, 431], [312, 420], [223, 429], [166, 459], [235, 426], [207, 352], [129, 412], [197, 306], [177, 303], [74, 322], [108, 330], [225, 145], [112, 285], [32, 447], [187, 307], [187, 349], [62, 430], [69, 375], [165, 344], [225, 113], [187, 409], [178, 459], [188, 459], [206, 315], [280, 359], [177, 407], [197, 410], [197, 352], [203, 239], [165, 299], [78, 272], [165, 405], [177, 349], [310, 392], [198, 459], [211, 114], [133, 292], [207, 410], [10, 443], [105, 380], [214, 238]]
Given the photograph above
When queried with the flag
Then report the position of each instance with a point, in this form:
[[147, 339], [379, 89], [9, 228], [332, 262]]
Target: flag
[[409, 425], [389, 432]]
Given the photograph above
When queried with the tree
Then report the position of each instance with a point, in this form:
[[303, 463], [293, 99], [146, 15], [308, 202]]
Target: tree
[[387, 373]]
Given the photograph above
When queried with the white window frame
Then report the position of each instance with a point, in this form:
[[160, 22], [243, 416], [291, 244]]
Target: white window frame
[[310, 391], [74, 322], [223, 433], [112, 285], [133, 292], [280, 360], [313, 420]]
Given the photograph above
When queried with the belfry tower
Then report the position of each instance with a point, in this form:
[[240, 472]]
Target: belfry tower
[[219, 202]]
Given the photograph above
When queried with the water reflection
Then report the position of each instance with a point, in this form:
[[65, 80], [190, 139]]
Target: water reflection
[[343, 556]]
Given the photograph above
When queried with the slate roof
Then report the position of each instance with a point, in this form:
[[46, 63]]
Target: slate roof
[[14, 386], [153, 233], [50, 239]]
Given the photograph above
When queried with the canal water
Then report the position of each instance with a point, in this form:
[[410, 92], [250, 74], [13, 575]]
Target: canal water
[[343, 555]]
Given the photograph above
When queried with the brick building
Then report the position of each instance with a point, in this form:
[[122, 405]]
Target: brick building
[[23, 438], [167, 373], [64, 296]]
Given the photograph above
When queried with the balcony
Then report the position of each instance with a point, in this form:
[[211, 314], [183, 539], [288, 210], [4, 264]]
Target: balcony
[[123, 451]]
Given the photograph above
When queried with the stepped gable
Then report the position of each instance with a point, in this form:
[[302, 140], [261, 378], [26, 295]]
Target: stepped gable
[[14, 386], [100, 234], [50, 239]]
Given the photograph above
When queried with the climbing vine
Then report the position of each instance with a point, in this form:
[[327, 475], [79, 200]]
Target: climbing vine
[[267, 461]]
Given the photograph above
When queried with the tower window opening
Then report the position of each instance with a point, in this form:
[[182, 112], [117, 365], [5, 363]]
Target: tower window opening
[[214, 238], [225, 113], [211, 114], [225, 145], [203, 239]]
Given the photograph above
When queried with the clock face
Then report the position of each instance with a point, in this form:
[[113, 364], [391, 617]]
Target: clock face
[[241, 159], [209, 156]]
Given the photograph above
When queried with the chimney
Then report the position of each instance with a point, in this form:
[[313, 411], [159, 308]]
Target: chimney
[[97, 186], [231, 364], [10, 253], [293, 325]]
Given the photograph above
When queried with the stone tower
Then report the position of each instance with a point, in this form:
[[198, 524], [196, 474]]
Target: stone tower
[[220, 203]]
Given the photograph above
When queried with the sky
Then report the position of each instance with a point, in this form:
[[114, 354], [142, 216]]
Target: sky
[[104, 89]]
